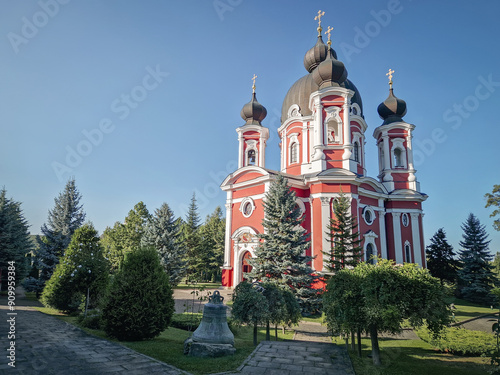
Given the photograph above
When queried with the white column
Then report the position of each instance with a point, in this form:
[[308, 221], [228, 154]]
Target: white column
[[396, 226], [305, 144], [262, 149], [383, 234], [415, 234], [227, 242], [325, 221], [313, 234], [237, 266], [387, 157], [347, 137], [241, 156]]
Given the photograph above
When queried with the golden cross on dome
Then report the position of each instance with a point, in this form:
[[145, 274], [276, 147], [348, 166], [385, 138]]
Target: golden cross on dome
[[318, 18], [328, 32], [253, 79], [389, 74]]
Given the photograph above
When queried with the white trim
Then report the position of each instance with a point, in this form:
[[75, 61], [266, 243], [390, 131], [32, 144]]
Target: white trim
[[398, 143], [369, 238], [407, 244], [383, 235], [244, 202], [227, 236], [415, 234], [372, 213], [396, 225]]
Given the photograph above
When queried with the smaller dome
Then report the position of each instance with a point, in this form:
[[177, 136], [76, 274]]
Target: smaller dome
[[392, 109], [315, 55], [253, 112], [330, 72]]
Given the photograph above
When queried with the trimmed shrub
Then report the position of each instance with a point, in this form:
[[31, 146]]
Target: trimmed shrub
[[92, 321], [187, 322], [139, 304], [460, 341]]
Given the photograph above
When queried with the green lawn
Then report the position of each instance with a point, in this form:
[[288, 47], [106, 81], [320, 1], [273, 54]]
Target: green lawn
[[414, 357], [198, 285], [466, 310]]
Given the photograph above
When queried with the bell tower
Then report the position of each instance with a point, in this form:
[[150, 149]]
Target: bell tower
[[252, 136], [394, 141]]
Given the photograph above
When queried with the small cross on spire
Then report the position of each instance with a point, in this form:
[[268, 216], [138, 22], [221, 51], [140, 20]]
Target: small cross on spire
[[318, 18], [253, 80], [389, 74], [329, 32]]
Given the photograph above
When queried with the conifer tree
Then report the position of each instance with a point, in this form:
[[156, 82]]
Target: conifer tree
[[345, 249], [15, 241], [190, 238], [212, 237], [281, 258], [64, 219], [82, 272], [163, 233], [493, 200], [440, 258], [475, 278]]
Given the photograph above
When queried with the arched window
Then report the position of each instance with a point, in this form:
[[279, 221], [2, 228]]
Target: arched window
[[397, 158], [369, 254], [294, 153], [408, 253], [355, 152], [251, 157]]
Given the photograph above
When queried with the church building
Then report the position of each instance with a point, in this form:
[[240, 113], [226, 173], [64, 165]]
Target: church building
[[322, 140]]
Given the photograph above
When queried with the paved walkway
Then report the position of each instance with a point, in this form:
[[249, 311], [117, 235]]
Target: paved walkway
[[49, 346]]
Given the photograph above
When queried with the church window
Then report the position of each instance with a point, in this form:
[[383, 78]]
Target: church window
[[247, 207], [294, 153], [404, 219], [369, 254], [356, 152], [251, 157], [368, 215], [398, 163], [407, 253]]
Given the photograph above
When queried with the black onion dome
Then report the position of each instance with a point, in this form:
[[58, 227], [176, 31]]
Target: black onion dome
[[330, 72], [253, 112], [299, 94], [356, 98], [315, 55], [392, 109]]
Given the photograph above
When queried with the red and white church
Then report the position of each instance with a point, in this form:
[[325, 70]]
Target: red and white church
[[322, 137]]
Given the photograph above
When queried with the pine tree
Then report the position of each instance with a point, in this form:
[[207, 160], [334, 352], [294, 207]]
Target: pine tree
[[124, 238], [15, 241], [345, 249], [162, 233], [281, 256], [212, 237], [440, 258], [493, 199], [475, 278], [63, 220], [190, 238], [82, 271]]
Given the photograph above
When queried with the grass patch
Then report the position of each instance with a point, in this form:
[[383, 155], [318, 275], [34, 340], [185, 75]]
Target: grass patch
[[467, 310], [318, 318], [198, 285], [414, 357]]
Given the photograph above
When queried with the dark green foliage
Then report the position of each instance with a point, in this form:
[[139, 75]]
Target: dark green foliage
[[280, 257], [139, 304], [162, 233], [440, 258], [475, 278], [93, 320], [212, 236], [345, 250], [191, 240], [378, 298], [493, 200], [15, 241], [460, 341], [250, 306], [64, 219], [82, 267], [125, 237], [187, 321]]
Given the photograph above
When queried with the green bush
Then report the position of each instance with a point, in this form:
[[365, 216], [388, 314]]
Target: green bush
[[92, 321], [187, 322], [139, 304], [460, 341]]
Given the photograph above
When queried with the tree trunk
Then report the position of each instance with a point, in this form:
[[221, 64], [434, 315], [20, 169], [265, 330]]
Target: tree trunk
[[86, 304], [353, 341], [276, 332], [346, 338], [255, 334], [375, 347], [268, 331], [359, 342]]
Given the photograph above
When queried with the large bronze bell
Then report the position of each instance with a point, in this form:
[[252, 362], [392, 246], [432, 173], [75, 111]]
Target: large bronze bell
[[213, 328]]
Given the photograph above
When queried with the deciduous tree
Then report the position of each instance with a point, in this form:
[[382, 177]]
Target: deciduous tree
[[493, 200]]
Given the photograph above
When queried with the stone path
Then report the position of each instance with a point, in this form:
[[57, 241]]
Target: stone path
[[49, 346]]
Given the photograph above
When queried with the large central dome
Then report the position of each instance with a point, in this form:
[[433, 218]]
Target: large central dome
[[302, 89]]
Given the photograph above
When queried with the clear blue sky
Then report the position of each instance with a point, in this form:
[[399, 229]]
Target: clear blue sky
[[166, 81]]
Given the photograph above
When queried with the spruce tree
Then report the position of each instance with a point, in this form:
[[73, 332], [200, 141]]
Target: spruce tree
[[212, 237], [15, 241], [162, 233], [191, 239], [280, 258], [475, 278], [63, 220], [345, 249], [440, 258]]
